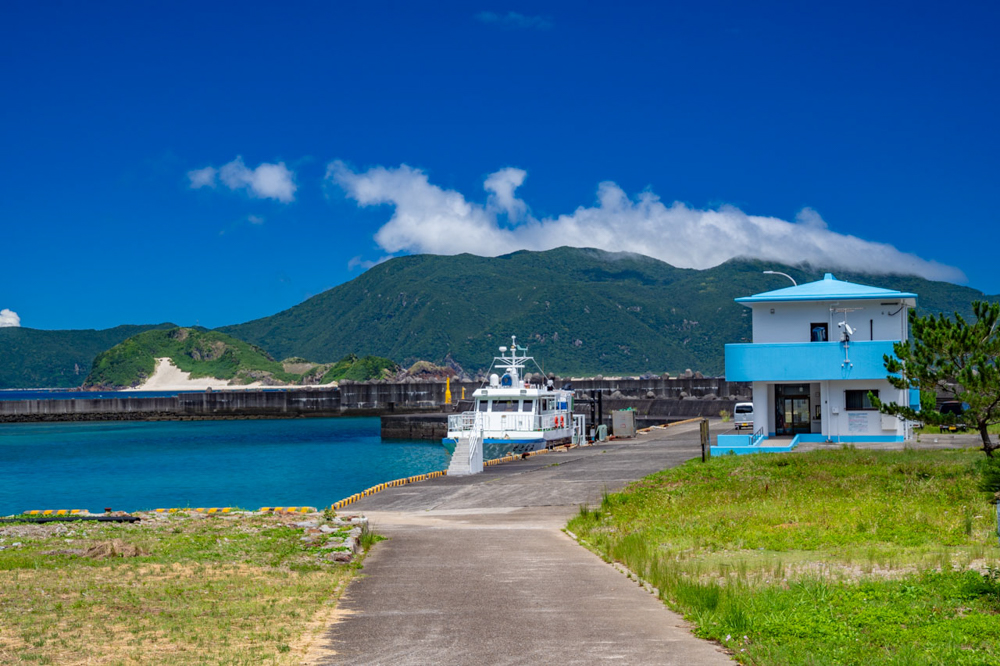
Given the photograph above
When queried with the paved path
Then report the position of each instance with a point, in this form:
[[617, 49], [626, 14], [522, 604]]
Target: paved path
[[476, 570]]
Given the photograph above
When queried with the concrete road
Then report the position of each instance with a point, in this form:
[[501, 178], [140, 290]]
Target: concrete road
[[476, 570]]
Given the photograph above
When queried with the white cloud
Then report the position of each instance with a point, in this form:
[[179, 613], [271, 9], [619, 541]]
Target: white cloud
[[202, 177], [266, 181], [501, 186], [433, 220], [365, 264], [515, 20], [255, 219], [9, 318]]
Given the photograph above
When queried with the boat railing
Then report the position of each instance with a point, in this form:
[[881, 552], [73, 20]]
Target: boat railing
[[553, 421], [461, 422], [466, 421], [521, 422]]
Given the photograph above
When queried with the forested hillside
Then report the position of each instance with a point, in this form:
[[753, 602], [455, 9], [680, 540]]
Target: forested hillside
[[579, 310]]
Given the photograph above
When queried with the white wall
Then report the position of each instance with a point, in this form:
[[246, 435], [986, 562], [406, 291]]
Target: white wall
[[835, 419], [840, 422], [790, 322], [763, 410]]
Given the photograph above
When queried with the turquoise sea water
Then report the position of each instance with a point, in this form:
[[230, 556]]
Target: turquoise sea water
[[247, 464]]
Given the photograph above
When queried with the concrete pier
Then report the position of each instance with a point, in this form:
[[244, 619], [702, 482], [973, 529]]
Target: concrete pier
[[477, 570]]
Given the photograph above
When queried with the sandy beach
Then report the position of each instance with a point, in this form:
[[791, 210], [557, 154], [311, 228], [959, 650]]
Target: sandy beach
[[168, 377]]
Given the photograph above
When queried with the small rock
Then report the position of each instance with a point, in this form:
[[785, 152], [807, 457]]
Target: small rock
[[326, 529], [650, 395], [307, 523], [355, 532], [340, 557], [351, 544]]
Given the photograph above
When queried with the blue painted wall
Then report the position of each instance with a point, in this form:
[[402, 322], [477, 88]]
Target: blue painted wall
[[805, 361]]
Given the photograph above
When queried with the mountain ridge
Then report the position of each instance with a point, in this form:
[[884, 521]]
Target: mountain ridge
[[583, 311]]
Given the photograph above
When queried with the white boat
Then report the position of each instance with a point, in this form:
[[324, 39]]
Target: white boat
[[517, 416]]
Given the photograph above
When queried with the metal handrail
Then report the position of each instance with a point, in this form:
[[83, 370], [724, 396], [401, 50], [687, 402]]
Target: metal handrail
[[757, 436], [476, 438]]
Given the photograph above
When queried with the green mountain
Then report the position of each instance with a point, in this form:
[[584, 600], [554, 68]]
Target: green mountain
[[31, 357], [581, 311], [213, 354]]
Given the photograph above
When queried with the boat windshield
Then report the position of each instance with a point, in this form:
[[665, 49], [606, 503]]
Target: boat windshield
[[482, 405]]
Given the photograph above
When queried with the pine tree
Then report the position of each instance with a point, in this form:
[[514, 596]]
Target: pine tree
[[952, 357]]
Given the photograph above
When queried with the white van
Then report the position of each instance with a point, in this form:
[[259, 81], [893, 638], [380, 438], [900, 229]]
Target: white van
[[743, 415]]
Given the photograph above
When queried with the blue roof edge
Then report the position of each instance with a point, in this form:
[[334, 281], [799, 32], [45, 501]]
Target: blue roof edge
[[827, 297], [827, 289]]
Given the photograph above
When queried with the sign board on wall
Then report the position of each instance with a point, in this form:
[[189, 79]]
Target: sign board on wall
[[857, 422]]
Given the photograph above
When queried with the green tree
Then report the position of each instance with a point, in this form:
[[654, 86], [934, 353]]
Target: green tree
[[956, 358]]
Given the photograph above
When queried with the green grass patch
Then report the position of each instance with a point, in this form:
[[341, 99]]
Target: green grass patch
[[828, 557], [216, 590]]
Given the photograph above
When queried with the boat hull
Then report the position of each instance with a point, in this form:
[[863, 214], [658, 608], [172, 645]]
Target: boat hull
[[498, 447]]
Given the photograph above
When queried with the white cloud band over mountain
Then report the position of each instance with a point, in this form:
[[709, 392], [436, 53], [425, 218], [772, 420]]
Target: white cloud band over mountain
[[9, 319], [430, 219]]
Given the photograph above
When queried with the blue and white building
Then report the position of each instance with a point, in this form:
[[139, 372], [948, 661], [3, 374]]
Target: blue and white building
[[817, 351]]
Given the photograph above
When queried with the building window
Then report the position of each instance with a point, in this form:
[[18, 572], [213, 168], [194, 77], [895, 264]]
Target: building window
[[858, 400], [819, 332]]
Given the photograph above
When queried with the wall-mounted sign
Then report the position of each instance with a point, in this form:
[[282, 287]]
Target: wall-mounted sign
[[857, 422]]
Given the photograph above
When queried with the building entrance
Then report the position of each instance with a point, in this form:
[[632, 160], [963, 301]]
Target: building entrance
[[792, 414]]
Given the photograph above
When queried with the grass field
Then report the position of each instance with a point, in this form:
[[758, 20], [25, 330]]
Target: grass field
[[828, 557], [169, 590]]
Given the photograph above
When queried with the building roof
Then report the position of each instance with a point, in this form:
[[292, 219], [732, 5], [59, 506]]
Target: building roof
[[827, 289]]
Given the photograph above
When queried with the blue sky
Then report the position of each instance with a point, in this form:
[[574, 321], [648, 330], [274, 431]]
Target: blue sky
[[859, 135]]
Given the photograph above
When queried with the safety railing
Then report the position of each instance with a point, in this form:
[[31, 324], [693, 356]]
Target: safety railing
[[579, 429], [461, 422], [476, 441], [757, 437]]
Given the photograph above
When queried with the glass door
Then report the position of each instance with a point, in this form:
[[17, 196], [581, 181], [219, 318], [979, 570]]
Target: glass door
[[800, 415], [792, 415]]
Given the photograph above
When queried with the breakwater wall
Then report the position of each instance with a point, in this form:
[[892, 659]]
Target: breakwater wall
[[430, 395], [211, 405], [365, 399]]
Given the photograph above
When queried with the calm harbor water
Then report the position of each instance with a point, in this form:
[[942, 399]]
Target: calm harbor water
[[137, 465]]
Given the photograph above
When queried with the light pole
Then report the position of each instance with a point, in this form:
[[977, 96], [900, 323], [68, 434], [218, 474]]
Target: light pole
[[780, 273]]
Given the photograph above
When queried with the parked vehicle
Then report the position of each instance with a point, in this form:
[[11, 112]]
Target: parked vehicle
[[743, 415], [957, 408]]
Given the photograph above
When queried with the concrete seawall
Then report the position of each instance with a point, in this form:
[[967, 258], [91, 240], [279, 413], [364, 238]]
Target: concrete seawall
[[374, 398], [217, 404], [430, 394]]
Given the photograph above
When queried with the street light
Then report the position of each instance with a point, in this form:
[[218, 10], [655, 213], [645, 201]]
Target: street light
[[780, 273]]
